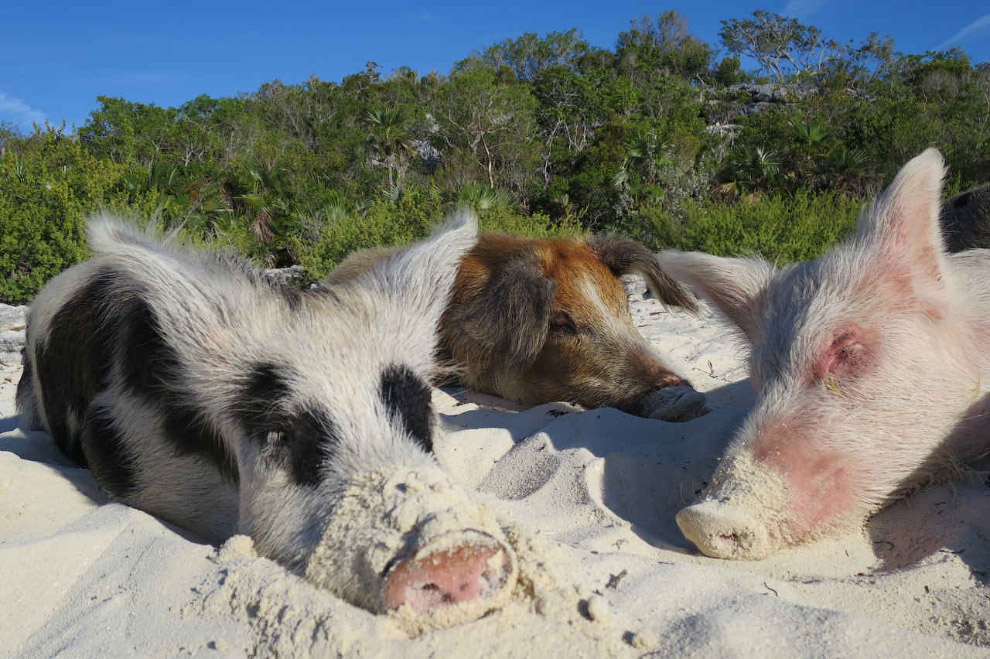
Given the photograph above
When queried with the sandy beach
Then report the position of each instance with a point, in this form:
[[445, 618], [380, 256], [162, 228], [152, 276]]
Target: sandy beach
[[588, 500]]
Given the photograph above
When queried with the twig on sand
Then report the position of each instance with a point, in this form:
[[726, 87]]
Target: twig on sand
[[614, 579]]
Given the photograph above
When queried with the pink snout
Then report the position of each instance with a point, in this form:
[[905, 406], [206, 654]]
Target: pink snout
[[436, 578], [723, 530]]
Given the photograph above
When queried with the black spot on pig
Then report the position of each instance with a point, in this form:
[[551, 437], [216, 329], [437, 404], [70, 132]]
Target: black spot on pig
[[106, 452], [407, 397], [150, 366], [151, 369], [311, 440], [265, 390], [74, 360], [186, 429], [298, 441]]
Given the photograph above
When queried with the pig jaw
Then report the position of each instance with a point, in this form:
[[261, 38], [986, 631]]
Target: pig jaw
[[624, 374]]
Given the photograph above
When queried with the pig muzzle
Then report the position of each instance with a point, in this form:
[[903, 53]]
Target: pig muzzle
[[673, 400], [722, 530]]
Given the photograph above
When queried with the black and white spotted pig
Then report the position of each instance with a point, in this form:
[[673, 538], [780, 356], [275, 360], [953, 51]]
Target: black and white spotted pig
[[199, 393]]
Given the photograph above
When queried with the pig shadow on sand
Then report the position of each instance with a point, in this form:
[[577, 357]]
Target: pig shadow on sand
[[650, 468], [949, 517], [648, 483], [937, 523], [38, 446]]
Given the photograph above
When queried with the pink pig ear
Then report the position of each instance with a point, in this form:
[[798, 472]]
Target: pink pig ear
[[903, 225], [735, 285]]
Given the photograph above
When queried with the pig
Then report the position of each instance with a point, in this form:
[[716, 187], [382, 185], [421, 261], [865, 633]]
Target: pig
[[198, 392], [870, 367], [541, 320], [966, 220]]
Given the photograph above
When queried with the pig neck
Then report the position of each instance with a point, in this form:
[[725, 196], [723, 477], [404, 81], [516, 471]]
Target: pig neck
[[972, 307]]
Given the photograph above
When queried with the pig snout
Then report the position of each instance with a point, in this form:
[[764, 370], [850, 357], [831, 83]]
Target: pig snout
[[724, 530], [472, 566], [672, 398], [409, 543], [743, 514]]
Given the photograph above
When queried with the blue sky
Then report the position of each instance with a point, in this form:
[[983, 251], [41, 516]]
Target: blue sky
[[56, 58]]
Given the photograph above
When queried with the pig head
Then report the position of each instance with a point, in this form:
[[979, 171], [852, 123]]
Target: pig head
[[870, 367], [545, 320]]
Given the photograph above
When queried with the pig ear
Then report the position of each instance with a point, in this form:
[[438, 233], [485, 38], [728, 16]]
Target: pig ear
[[623, 256], [422, 276], [166, 274], [904, 224], [511, 316], [734, 285]]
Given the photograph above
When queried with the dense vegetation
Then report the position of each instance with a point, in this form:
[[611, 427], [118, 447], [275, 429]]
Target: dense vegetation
[[665, 138]]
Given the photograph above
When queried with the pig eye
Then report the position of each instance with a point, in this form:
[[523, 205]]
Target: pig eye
[[562, 324], [850, 351], [847, 348], [846, 355]]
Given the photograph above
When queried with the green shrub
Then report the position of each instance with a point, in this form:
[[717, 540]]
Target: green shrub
[[536, 225], [781, 228], [48, 189]]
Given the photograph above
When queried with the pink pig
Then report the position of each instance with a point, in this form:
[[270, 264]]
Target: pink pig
[[870, 367]]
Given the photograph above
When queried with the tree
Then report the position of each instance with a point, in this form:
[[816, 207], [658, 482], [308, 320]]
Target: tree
[[729, 71], [389, 133], [664, 43], [781, 45], [530, 54], [492, 123]]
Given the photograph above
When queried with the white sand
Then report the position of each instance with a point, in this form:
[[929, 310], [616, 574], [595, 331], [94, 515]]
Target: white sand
[[590, 499]]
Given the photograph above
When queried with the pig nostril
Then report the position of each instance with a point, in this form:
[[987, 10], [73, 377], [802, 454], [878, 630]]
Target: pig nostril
[[669, 380], [434, 593]]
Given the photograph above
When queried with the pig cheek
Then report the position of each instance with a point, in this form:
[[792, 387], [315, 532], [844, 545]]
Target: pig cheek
[[557, 367], [821, 482]]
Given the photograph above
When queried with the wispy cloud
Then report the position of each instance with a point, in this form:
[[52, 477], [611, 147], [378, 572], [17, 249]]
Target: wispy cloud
[[19, 113], [802, 8], [978, 26]]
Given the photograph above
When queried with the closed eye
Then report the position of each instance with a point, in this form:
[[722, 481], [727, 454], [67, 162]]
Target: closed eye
[[847, 355], [850, 351], [847, 348], [561, 324]]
